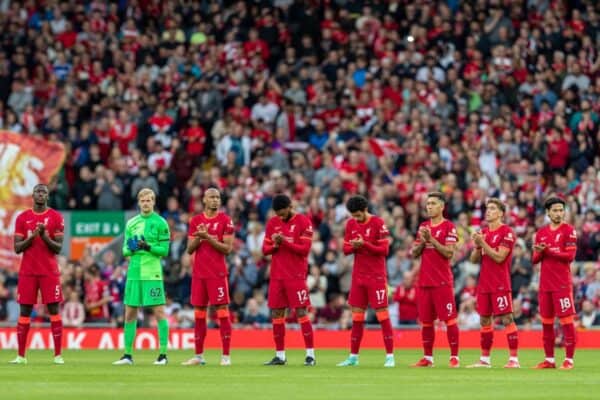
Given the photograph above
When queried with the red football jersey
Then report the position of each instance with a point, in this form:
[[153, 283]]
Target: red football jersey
[[494, 277], [555, 274], [38, 259], [208, 261], [286, 262], [96, 291], [374, 231], [435, 268]]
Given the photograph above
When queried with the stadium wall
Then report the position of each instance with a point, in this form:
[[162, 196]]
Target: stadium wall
[[183, 339]]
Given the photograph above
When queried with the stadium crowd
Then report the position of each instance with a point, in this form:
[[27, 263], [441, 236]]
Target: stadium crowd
[[319, 100]]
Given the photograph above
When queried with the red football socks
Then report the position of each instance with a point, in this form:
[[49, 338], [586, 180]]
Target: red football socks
[[307, 332], [487, 339], [512, 336], [22, 332], [199, 331], [428, 337], [225, 329], [56, 327], [452, 335], [386, 329], [548, 337], [358, 327], [569, 332], [279, 333]]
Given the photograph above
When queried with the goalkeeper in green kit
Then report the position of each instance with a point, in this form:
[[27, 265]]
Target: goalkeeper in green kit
[[146, 241]]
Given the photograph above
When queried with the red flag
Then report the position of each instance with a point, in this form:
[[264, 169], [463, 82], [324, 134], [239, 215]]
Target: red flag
[[382, 147]]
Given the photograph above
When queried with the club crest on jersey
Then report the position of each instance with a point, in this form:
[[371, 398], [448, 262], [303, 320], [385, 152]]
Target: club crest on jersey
[[368, 232], [494, 238], [557, 238], [292, 227]]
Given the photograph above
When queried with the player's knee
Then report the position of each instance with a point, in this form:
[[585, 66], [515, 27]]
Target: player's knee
[[222, 313], [53, 308], [486, 321], [25, 310], [278, 313], [301, 312], [507, 319], [130, 314], [382, 314], [159, 312], [358, 315], [566, 320]]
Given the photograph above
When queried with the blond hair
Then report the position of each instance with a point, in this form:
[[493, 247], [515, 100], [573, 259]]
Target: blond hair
[[146, 192]]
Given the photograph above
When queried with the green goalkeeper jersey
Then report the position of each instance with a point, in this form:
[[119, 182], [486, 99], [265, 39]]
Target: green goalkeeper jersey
[[145, 265]]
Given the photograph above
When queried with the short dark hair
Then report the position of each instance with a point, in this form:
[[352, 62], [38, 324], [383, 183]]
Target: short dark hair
[[357, 203], [497, 202], [438, 195], [281, 201], [552, 201]]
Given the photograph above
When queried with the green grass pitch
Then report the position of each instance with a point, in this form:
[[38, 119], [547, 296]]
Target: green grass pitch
[[89, 375]]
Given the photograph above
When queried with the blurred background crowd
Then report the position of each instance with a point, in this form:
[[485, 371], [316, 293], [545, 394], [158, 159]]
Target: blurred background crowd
[[319, 100]]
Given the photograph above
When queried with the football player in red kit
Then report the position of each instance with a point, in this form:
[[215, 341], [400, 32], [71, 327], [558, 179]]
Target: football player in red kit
[[493, 249], [210, 241], [367, 238], [39, 237], [288, 239], [435, 244], [555, 246]]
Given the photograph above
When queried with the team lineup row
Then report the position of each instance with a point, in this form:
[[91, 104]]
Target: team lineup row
[[288, 240]]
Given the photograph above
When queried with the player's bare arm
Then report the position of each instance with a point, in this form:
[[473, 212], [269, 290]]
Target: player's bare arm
[[193, 244], [196, 240], [21, 243], [446, 250], [223, 247], [475, 256], [417, 249], [55, 245], [497, 255], [419, 244]]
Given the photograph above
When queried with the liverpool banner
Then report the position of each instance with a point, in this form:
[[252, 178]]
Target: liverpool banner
[[25, 161]]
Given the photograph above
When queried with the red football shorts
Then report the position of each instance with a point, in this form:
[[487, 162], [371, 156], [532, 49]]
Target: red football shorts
[[284, 293], [48, 285], [209, 291], [556, 304], [368, 291], [497, 303], [436, 303]]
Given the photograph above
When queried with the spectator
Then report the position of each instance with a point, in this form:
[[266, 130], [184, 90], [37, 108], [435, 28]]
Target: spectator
[[406, 297], [252, 314], [97, 296], [468, 318], [589, 315], [73, 312], [109, 190], [317, 287]]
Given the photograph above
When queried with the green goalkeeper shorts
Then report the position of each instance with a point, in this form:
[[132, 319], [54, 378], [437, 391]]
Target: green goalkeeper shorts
[[144, 293]]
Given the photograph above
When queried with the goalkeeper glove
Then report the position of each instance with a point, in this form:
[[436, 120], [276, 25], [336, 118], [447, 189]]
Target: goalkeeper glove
[[142, 245]]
